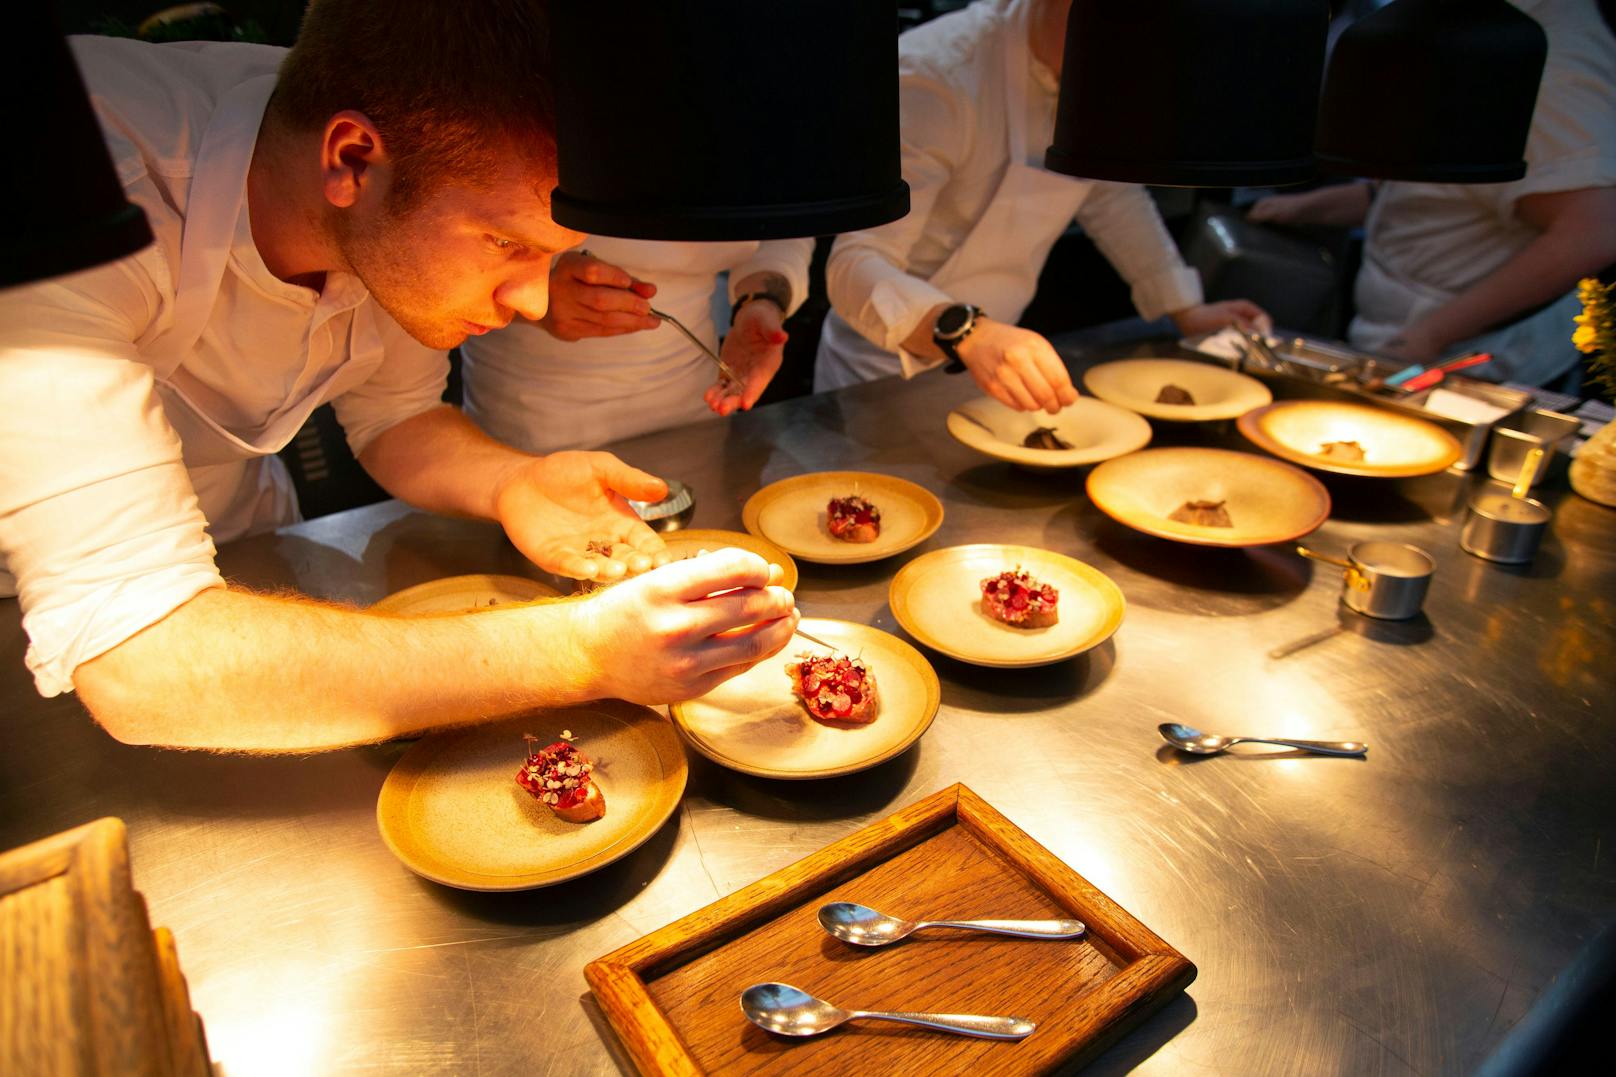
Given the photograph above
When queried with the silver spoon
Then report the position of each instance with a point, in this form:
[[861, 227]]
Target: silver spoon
[[790, 1011], [1186, 739], [863, 926]]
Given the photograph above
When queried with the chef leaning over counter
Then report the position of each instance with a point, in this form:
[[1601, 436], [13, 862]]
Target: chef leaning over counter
[[977, 92], [310, 249]]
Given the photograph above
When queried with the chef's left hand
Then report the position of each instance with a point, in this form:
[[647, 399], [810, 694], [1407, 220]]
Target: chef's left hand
[[1210, 317], [753, 349], [1413, 345], [553, 507]]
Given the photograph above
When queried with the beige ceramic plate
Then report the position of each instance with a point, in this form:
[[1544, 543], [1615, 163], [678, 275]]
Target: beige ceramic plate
[[1094, 429], [754, 724], [1267, 501], [451, 810], [937, 598], [687, 543], [1219, 393], [456, 594], [1394, 445], [791, 514]]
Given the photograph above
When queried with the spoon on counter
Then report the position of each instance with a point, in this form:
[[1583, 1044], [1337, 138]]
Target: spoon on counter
[[864, 926], [1188, 739], [791, 1011]]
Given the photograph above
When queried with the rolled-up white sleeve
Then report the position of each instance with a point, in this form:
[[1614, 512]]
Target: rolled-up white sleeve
[[409, 380], [1125, 225], [864, 277], [787, 257], [98, 519]]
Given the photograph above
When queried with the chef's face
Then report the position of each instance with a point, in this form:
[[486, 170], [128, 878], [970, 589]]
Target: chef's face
[[460, 260]]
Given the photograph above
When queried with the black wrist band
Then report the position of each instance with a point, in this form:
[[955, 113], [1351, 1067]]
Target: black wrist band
[[741, 301]]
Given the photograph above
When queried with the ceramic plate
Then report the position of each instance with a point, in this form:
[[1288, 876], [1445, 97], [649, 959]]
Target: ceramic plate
[[791, 514], [688, 543], [451, 810], [1394, 445], [456, 594], [1267, 501], [1135, 383], [754, 724], [937, 598], [1094, 429]]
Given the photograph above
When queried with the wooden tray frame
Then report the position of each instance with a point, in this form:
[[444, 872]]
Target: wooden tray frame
[[1152, 973]]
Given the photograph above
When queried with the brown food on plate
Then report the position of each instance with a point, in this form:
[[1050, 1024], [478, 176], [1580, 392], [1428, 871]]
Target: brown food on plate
[[1044, 437], [834, 689], [853, 519], [1174, 394], [560, 778], [1204, 513], [1348, 452], [1019, 600]]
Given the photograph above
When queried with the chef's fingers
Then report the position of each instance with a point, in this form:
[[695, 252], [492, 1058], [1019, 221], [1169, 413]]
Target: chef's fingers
[[592, 270], [1056, 375], [593, 323], [697, 577], [650, 544], [732, 611], [734, 653], [630, 482], [1020, 398], [1037, 382]]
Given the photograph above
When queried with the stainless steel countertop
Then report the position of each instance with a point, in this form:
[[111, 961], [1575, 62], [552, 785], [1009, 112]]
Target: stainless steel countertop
[[1389, 915]]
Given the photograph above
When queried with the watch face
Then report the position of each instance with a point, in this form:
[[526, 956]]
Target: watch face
[[952, 320]]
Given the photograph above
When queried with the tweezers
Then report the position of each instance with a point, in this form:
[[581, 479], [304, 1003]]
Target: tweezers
[[723, 367]]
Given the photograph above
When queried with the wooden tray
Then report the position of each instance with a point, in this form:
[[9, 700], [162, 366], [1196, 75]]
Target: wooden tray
[[673, 996]]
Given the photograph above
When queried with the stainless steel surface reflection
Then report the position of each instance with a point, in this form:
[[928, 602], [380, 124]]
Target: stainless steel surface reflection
[[1395, 914]]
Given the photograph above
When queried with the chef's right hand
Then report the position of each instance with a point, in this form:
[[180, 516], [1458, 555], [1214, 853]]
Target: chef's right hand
[[592, 298], [1017, 367], [679, 631]]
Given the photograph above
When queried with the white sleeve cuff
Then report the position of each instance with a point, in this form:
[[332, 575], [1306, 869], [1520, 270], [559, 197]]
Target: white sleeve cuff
[[1168, 291]]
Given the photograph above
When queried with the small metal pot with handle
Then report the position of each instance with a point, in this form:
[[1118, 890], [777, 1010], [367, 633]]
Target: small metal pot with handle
[[1387, 580]]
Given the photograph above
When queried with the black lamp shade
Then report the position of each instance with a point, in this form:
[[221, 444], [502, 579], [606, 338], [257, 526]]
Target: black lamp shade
[[1190, 93], [1434, 90], [62, 205], [726, 119]]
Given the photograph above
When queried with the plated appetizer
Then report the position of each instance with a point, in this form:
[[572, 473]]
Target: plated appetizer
[[834, 689], [1044, 437], [560, 778], [1175, 394], [853, 519], [1347, 452], [1204, 513], [1019, 600]]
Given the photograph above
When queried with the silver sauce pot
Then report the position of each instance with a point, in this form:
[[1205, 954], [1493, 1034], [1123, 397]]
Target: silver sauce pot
[[1387, 580]]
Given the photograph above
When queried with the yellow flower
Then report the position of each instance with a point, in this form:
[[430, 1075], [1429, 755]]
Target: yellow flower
[[1585, 339]]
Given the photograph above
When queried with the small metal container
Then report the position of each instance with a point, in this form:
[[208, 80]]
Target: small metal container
[[1387, 580], [1515, 438], [672, 512], [1503, 528]]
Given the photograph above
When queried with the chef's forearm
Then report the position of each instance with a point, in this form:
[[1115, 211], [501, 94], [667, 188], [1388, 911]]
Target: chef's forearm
[[441, 462], [232, 670]]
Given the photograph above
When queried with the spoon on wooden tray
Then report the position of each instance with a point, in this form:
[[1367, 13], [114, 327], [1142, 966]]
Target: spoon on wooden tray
[[1188, 739], [864, 926], [791, 1011]]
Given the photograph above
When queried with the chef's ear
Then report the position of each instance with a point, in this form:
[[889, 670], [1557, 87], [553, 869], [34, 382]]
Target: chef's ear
[[352, 157]]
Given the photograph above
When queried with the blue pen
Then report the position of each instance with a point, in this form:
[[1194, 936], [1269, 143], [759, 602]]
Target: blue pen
[[1405, 374]]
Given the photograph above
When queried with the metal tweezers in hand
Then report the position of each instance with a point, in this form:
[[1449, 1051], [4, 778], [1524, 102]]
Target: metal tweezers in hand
[[723, 367]]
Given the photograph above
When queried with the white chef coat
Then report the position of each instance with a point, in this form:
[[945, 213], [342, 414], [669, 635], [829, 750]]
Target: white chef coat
[[540, 394], [968, 85], [1427, 242], [143, 398]]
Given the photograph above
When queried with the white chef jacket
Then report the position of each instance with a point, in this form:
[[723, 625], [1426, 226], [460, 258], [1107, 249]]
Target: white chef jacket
[[954, 104], [540, 394], [143, 397], [1426, 242]]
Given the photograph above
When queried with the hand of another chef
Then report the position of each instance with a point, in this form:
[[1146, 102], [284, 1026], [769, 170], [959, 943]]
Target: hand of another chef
[[1210, 317], [555, 507], [753, 349], [1017, 367], [593, 298], [678, 632]]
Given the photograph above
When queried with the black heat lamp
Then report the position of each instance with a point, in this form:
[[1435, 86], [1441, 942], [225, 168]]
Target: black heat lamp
[[64, 206], [1190, 93], [726, 119], [1440, 91]]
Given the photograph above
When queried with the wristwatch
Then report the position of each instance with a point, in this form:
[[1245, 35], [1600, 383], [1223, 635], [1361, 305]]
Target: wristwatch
[[949, 331]]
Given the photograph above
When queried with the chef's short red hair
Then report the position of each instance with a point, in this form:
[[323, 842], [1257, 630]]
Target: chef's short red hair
[[451, 85]]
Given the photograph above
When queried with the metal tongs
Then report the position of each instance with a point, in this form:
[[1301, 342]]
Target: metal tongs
[[723, 367]]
